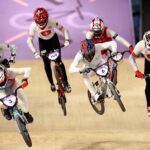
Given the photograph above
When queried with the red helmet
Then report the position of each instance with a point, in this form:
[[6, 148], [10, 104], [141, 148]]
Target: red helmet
[[88, 49], [3, 75], [41, 17]]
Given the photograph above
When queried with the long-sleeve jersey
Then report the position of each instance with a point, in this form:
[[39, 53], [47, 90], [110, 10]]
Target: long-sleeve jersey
[[139, 49], [97, 59], [108, 35], [13, 72], [5, 47], [46, 33]]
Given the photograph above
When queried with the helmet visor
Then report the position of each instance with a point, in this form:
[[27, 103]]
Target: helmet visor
[[41, 22], [97, 33], [89, 56], [148, 37]]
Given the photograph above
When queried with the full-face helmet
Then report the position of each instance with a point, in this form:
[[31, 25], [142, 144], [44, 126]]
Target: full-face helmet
[[97, 27], [88, 49], [146, 38], [3, 75], [41, 17]]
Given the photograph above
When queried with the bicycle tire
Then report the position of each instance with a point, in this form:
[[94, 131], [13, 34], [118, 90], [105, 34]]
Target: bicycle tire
[[63, 104], [98, 106], [56, 72], [24, 132], [114, 77], [117, 97]]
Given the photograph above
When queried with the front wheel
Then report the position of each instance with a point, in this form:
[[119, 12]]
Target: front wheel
[[97, 106], [117, 96], [62, 101], [23, 130]]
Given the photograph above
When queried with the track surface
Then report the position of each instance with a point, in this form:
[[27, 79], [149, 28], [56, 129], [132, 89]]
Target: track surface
[[82, 128]]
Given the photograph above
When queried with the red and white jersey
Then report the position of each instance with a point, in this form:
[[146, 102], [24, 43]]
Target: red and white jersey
[[46, 33], [12, 73], [139, 49], [97, 59], [107, 36]]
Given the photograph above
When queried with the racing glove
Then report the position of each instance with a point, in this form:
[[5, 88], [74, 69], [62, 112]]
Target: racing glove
[[24, 83], [138, 74], [66, 43], [85, 69], [36, 55], [131, 48]]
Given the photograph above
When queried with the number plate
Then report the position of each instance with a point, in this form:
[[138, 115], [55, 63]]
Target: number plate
[[53, 56], [102, 70], [10, 101]]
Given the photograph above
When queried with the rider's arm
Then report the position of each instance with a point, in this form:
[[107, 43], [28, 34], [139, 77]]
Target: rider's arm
[[31, 37], [61, 28], [89, 35], [112, 45], [137, 50], [117, 37], [7, 47], [13, 72], [73, 68]]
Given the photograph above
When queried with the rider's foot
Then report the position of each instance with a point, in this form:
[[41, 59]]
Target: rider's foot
[[68, 88], [53, 88], [148, 111], [98, 97], [28, 117], [6, 114]]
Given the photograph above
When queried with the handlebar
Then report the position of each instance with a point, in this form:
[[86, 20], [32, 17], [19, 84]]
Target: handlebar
[[17, 89]]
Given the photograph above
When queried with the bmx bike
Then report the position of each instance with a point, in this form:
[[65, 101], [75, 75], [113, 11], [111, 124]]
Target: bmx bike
[[17, 114], [52, 56], [101, 87]]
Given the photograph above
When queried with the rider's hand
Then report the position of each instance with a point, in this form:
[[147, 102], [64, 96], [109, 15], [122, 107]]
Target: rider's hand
[[131, 48], [13, 47], [85, 69], [66, 43], [138, 74], [36, 55], [24, 82], [12, 59]]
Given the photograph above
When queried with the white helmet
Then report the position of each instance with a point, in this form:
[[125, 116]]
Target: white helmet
[[97, 26], [146, 38]]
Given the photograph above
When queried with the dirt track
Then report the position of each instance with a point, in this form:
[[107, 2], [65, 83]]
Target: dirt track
[[82, 128]]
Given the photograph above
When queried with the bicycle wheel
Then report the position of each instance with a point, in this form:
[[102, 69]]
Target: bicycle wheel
[[62, 101], [59, 77], [115, 92], [97, 106], [114, 77], [23, 130]]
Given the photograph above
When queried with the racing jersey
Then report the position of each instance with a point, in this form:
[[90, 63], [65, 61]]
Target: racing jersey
[[46, 33], [97, 59], [12, 73], [107, 36], [139, 49]]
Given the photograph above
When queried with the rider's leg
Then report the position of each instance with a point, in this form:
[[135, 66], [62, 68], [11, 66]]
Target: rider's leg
[[48, 70], [147, 88], [88, 82], [4, 109], [22, 101], [46, 45]]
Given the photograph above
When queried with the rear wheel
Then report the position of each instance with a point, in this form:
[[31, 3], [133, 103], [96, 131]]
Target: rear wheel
[[23, 130], [115, 92], [62, 101]]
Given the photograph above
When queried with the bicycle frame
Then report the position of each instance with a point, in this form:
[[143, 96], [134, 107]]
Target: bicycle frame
[[60, 79]]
